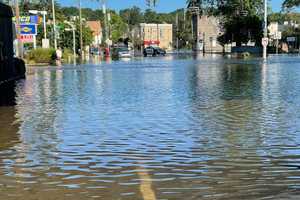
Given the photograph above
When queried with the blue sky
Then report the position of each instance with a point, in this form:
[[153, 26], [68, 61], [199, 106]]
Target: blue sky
[[163, 5]]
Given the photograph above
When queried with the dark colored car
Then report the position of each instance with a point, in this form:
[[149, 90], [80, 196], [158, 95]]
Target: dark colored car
[[154, 51]]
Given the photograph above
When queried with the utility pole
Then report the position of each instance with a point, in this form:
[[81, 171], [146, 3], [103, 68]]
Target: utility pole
[[265, 40], [18, 31], [45, 24], [177, 31], [105, 20], [80, 30], [73, 29], [54, 25]]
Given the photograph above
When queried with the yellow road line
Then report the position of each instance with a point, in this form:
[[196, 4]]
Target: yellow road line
[[146, 186]]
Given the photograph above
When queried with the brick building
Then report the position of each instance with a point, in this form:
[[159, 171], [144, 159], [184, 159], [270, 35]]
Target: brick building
[[157, 35], [96, 28]]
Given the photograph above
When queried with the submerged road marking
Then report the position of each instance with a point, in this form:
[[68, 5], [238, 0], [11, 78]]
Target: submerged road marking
[[146, 186]]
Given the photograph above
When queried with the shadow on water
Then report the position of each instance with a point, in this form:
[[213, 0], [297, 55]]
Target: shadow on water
[[8, 94], [9, 128]]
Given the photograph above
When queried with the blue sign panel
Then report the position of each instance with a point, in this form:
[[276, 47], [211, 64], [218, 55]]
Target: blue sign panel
[[28, 29], [33, 19]]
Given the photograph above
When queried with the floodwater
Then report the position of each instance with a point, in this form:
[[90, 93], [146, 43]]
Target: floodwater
[[154, 129]]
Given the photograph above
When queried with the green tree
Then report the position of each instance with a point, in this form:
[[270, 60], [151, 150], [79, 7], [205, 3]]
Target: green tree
[[66, 37], [151, 16], [241, 30], [132, 16], [118, 27], [151, 3], [291, 3]]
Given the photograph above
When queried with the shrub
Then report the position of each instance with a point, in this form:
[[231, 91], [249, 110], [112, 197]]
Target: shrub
[[67, 53], [41, 55]]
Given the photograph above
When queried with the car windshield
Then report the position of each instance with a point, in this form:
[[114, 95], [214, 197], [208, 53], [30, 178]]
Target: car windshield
[[123, 49]]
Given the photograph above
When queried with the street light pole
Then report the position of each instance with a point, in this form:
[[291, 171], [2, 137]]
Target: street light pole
[[265, 29], [45, 25], [105, 20], [80, 30], [19, 42], [74, 40], [54, 25]]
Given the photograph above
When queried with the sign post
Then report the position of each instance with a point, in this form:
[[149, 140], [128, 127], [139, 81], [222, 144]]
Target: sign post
[[265, 39], [278, 36], [265, 42]]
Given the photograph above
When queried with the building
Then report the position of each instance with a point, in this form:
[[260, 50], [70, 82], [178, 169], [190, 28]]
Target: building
[[208, 30], [275, 30], [96, 28], [160, 35], [286, 42]]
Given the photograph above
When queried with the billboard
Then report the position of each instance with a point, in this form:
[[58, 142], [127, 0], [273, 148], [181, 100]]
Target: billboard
[[33, 19], [28, 29]]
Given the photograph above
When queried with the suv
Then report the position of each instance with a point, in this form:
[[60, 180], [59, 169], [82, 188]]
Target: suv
[[154, 51]]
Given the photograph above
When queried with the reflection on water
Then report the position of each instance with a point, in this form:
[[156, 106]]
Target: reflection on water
[[157, 128]]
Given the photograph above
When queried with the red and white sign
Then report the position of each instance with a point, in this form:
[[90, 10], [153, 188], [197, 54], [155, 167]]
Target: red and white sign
[[265, 42], [27, 38], [151, 42]]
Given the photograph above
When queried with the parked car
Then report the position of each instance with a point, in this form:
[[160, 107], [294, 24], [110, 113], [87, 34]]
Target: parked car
[[121, 52], [154, 51]]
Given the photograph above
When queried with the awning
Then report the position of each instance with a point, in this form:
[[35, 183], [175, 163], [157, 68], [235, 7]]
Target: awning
[[151, 42]]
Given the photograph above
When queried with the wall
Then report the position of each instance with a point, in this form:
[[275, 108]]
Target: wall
[[157, 33], [208, 32]]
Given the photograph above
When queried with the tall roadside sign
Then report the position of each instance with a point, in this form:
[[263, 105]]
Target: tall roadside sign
[[27, 29]]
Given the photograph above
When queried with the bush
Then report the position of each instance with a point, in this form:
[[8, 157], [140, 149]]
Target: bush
[[67, 53], [41, 55]]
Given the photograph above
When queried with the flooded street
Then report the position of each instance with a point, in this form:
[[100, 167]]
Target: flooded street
[[154, 129]]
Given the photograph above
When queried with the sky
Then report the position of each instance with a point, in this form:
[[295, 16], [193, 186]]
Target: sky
[[163, 5]]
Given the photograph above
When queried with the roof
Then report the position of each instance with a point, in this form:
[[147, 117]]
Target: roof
[[95, 26], [5, 11], [155, 25]]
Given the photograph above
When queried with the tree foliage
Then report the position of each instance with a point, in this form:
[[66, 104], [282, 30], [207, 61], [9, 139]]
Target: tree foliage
[[241, 19], [151, 3], [132, 16], [66, 36], [118, 27], [291, 3], [242, 29]]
